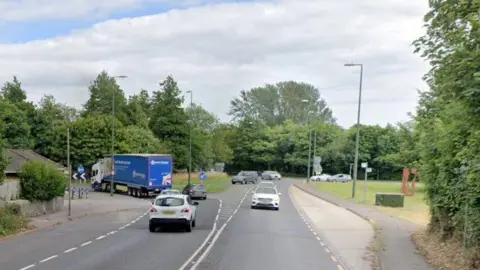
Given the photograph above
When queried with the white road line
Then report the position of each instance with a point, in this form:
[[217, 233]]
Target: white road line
[[112, 232], [121, 228], [318, 238], [69, 250], [100, 237], [28, 267], [48, 259], [86, 243]]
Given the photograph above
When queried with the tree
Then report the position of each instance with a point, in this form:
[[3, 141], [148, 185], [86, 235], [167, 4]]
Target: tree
[[13, 92], [137, 112], [169, 121], [274, 104], [16, 130], [447, 119], [141, 140], [102, 91], [3, 156]]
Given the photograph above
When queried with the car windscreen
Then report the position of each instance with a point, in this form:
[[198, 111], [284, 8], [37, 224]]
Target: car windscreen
[[170, 202], [199, 187], [266, 190], [241, 174]]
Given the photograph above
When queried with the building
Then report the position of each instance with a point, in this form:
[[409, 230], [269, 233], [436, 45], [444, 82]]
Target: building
[[18, 157]]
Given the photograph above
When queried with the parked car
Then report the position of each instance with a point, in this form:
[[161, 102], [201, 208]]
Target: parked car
[[322, 177], [244, 177], [172, 210], [344, 178], [266, 197]]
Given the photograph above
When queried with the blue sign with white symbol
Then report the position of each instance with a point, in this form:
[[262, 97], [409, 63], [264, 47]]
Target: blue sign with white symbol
[[203, 176], [80, 169]]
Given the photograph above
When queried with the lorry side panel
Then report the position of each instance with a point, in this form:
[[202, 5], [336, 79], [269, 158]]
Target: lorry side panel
[[160, 172], [130, 170]]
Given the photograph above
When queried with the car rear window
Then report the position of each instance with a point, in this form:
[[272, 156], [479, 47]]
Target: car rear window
[[170, 202], [199, 187]]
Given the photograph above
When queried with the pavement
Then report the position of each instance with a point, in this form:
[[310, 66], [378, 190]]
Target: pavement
[[228, 235], [346, 234], [397, 251]]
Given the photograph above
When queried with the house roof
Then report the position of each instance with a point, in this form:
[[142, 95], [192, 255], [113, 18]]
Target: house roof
[[18, 157]]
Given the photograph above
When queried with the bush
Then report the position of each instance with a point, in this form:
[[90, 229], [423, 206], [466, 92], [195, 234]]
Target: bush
[[11, 221], [40, 181]]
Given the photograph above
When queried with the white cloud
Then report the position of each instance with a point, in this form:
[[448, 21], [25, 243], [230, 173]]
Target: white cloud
[[218, 50]]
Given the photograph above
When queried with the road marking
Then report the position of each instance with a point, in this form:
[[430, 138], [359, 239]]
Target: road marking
[[49, 258], [28, 267], [339, 267], [100, 237], [327, 250], [112, 232], [321, 243], [86, 243], [333, 258], [318, 238], [69, 250], [211, 242]]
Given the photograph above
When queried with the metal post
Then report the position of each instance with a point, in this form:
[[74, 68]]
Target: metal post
[[309, 153], [357, 139], [314, 143], [69, 174], [365, 186], [190, 140], [113, 143]]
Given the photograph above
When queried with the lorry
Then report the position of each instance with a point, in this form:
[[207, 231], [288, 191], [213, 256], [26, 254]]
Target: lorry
[[142, 174]]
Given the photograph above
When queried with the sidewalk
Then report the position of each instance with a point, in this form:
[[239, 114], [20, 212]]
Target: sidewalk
[[399, 252], [347, 235], [97, 203]]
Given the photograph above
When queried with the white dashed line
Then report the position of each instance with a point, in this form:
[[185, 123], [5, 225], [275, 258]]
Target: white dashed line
[[112, 232], [48, 259], [86, 243], [318, 238], [100, 237], [28, 267], [70, 250]]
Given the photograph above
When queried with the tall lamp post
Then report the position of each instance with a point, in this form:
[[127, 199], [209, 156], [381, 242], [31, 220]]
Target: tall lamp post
[[190, 139], [113, 134], [357, 138]]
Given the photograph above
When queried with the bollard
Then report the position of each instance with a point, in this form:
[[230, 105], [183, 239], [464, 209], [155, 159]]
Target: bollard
[[73, 193], [86, 194], [79, 193]]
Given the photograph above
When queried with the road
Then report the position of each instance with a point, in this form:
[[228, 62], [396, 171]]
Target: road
[[238, 238]]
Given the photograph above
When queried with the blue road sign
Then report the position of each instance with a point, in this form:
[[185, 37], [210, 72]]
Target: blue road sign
[[80, 169], [203, 176]]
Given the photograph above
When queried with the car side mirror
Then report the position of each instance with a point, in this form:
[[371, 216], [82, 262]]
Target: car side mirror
[[195, 203]]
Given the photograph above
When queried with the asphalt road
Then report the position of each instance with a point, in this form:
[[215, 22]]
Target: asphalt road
[[238, 238]]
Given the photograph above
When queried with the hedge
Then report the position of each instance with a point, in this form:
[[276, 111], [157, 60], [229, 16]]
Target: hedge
[[40, 181]]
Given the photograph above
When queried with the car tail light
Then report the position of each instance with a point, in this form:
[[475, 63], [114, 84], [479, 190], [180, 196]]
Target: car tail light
[[185, 210], [153, 210]]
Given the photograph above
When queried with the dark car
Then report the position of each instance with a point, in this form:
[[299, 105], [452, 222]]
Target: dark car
[[244, 177], [195, 191]]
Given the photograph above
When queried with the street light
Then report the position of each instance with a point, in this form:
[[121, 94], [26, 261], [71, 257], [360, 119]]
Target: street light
[[113, 134], [309, 142], [357, 139], [190, 143]]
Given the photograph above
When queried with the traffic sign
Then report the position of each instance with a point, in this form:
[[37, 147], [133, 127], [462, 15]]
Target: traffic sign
[[203, 176], [75, 176], [80, 169], [364, 164], [369, 170]]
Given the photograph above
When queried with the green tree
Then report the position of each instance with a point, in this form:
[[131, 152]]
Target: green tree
[[16, 130], [102, 92], [3, 157], [13, 92], [169, 122], [141, 140], [274, 104]]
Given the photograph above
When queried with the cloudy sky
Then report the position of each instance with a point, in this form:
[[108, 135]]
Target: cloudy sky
[[216, 48]]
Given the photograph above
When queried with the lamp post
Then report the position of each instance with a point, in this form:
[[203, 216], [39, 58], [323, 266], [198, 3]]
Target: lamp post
[[113, 134], [309, 142], [357, 138], [190, 139]]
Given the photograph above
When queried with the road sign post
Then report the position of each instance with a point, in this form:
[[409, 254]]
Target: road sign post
[[367, 170], [81, 172], [203, 176]]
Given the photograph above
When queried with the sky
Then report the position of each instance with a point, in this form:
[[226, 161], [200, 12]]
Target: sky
[[216, 48]]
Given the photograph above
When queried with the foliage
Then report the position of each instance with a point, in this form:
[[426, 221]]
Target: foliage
[[40, 181], [11, 221], [3, 157], [447, 121]]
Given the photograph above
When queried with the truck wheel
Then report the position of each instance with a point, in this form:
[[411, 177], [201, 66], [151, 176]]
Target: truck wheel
[[194, 223], [188, 227], [136, 193]]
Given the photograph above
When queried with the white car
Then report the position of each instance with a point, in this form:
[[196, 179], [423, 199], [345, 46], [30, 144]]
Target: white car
[[266, 184], [172, 209], [322, 177], [266, 196], [170, 191]]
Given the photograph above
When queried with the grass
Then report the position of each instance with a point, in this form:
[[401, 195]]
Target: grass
[[11, 222], [216, 182], [415, 208]]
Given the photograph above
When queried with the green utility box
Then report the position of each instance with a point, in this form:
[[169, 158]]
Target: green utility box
[[389, 199]]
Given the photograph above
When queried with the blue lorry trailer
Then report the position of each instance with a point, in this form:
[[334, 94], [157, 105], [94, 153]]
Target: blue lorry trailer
[[142, 174]]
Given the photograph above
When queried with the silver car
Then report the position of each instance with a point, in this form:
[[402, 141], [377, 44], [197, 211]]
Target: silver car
[[342, 177], [245, 177], [271, 175]]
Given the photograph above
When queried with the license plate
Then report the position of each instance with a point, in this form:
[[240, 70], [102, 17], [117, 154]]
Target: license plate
[[169, 213]]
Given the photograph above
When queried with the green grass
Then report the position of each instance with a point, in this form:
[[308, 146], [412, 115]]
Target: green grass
[[216, 182], [11, 222], [415, 208]]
